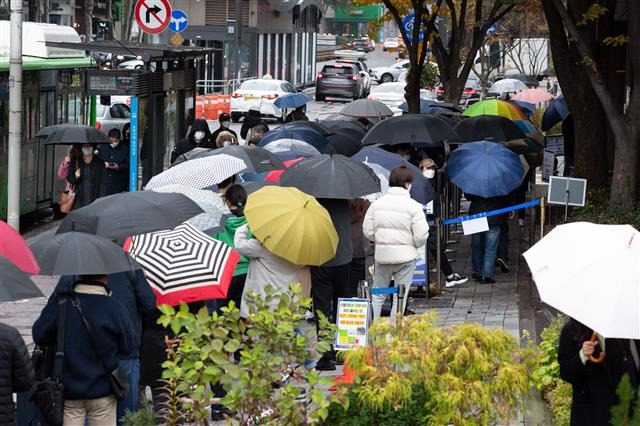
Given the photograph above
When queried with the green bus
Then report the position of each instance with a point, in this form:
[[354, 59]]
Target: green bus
[[53, 93]]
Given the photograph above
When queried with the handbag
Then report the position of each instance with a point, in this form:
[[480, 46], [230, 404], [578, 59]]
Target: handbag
[[118, 380], [67, 200], [48, 393]]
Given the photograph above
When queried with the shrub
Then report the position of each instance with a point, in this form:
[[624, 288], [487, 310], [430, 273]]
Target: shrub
[[598, 210], [144, 416], [270, 354], [424, 374], [624, 414]]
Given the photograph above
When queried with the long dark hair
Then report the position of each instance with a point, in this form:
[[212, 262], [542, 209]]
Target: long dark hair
[[236, 195], [358, 208], [75, 152]]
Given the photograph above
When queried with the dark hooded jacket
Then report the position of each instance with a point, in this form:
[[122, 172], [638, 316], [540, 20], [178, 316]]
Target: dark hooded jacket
[[16, 372], [186, 145], [252, 119]]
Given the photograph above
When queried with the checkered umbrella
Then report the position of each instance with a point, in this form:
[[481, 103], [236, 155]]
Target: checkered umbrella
[[184, 264], [215, 213], [199, 173]]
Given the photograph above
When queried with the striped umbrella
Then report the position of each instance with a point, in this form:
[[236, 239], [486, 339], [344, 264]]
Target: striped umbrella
[[215, 213], [184, 264], [199, 173], [495, 107]]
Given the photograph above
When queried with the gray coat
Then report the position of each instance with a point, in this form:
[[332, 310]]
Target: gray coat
[[264, 268]]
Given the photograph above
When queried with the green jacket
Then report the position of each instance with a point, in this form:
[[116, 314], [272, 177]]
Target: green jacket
[[227, 237]]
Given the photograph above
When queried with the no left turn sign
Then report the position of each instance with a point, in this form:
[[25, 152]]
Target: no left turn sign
[[153, 16]]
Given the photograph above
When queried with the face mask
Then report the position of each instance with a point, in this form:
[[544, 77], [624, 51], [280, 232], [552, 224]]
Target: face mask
[[199, 135], [87, 151], [226, 143], [225, 124], [113, 144], [406, 157], [429, 173], [409, 187]]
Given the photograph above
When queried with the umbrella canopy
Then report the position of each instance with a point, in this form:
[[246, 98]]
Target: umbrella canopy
[[383, 175], [331, 176], [79, 253], [567, 268], [526, 126], [419, 129], [302, 134], [14, 248], [488, 127], [215, 209], [526, 108], [342, 143], [253, 186], [313, 125], [274, 176], [292, 100], [184, 264], [507, 85], [199, 173], [495, 107], [292, 225], [15, 284], [257, 159], [421, 189], [428, 106], [344, 125], [291, 155], [129, 213], [522, 146], [193, 154], [366, 108], [557, 112], [532, 96], [69, 134], [485, 169], [291, 145]]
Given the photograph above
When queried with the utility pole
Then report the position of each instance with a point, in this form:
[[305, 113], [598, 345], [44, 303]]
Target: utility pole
[[15, 115], [236, 55]]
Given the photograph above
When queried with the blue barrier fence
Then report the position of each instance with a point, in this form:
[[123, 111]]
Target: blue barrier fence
[[384, 290], [491, 213]]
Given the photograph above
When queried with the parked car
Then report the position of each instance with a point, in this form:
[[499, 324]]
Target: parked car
[[133, 64], [363, 70], [392, 94], [390, 73], [340, 80], [363, 45], [531, 81], [390, 43], [260, 94], [115, 116], [472, 90]]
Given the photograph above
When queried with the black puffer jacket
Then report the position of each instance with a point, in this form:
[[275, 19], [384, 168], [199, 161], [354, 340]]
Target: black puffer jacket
[[16, 372]]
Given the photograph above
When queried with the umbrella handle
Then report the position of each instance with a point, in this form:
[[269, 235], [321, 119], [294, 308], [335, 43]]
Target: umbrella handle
[[601, 356]]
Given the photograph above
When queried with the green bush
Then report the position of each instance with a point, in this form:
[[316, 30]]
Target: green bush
[[264, 384], [623, 414], [598, 210], [144, 416], [419, 373]]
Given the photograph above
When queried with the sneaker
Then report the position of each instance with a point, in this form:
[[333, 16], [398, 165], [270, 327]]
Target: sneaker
[[503, 265], [521, 222], [219, 412], [325, 364], [476, 277], [485, 280], [308, 315], [455, 279]]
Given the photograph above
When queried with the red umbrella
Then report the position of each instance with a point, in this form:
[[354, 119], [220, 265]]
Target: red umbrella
[[274, 176], [15, 249]]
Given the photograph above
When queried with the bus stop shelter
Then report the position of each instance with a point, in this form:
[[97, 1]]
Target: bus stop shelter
[[162, 97]]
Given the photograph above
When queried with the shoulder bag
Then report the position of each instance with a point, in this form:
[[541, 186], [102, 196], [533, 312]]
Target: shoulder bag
[[118, 381], [68, 197]]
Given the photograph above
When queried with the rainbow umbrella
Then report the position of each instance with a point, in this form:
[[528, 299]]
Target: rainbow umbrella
[[495, 107]]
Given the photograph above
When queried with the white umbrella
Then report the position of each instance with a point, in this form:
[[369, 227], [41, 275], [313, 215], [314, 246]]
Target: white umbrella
[[573, 269], [199, 173], [383, 175], [283, 145], [507, 85], [366, 108]]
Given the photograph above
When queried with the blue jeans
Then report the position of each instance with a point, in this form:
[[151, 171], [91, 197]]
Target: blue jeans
[[484, 250], [131, 367]]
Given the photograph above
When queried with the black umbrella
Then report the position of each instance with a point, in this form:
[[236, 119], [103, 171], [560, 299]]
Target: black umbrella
[[252, 186], [344, 124], [131, 213], [15, 284], [331, 176], [78, 253], [489, 127], [421, 130], [313, 125], [69, 134], [193, 154], [342, 143], [258, 160]]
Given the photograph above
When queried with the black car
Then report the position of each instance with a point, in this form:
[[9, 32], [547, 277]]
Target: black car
[[363, 45], [341, 80]]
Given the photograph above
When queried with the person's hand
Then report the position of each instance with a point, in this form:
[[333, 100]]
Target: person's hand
[[106, 165], [67, 159], [589, 347], [78, 174], [512, 214], [114, 166]]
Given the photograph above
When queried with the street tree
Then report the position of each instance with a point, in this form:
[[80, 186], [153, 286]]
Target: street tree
[[578, 33], [425, 12], [526, 32]]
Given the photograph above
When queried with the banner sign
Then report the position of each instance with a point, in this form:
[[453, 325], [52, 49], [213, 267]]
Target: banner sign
[[353, 323]]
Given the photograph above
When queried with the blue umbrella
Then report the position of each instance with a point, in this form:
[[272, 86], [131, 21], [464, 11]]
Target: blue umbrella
[[527, 108], [485, 169], [421, 189], [432, 107], [526, 126], [292, 100], [557, 112], [302, 134]]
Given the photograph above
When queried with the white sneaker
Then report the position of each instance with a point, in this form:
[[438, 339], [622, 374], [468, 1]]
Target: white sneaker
[[455, 279]]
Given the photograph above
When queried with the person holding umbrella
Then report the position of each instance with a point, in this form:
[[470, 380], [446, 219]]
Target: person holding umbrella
[[200, 136], [298, 114], [88, 177], [398, 227]]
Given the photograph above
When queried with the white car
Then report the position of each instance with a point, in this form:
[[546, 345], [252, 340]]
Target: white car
[[390, 43], [260, 94], [115, 116], [390, 73], [392, 94], [133, 64]]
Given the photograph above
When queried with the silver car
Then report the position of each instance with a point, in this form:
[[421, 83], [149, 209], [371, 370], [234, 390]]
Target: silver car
[[115, 116]]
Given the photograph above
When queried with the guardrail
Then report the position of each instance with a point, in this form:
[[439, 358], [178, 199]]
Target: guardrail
[[225, 87]]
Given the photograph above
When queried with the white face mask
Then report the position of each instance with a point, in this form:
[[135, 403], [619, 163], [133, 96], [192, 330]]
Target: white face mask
[[87, 151], [429, 173], [199, 135], [225, 124], [226, 143], [114, 144], [406, 157]]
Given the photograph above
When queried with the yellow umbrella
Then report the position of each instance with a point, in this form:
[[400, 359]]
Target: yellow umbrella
[[292, 225]]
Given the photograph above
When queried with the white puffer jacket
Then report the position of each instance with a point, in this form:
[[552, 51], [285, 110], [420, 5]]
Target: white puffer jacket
[[397, 225]]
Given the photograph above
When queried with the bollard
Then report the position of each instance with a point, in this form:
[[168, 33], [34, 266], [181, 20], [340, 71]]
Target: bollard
[[542, 218], [438, 256], [400, 305]]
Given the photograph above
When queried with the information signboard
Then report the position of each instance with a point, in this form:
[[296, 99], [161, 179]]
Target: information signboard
[[111, 82], [353, 323]]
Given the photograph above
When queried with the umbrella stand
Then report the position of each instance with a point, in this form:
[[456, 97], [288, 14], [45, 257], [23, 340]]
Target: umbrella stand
[[601, 356]]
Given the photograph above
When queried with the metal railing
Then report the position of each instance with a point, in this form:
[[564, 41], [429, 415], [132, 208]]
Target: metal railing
[[225, 87]]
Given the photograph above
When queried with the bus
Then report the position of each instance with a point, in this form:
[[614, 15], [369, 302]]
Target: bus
[[53, 85]]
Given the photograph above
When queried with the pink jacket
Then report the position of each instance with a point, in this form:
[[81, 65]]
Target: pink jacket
[[63, 169]]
